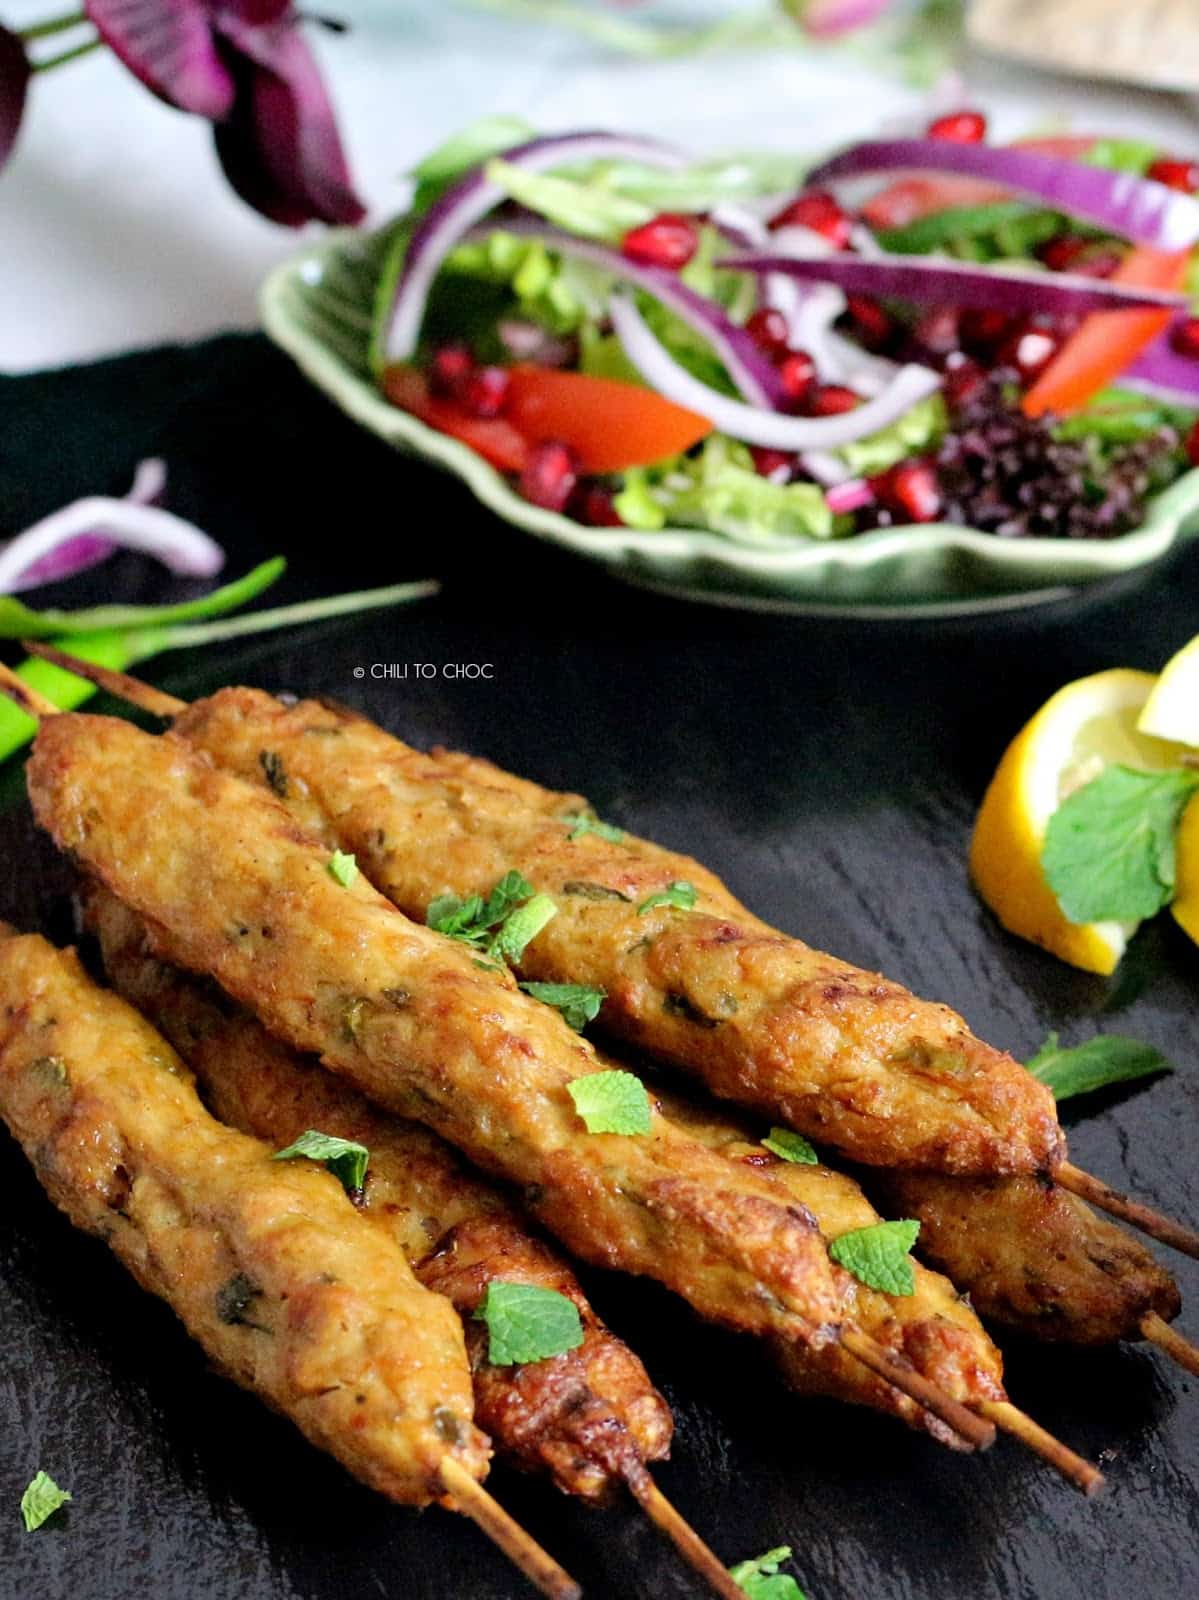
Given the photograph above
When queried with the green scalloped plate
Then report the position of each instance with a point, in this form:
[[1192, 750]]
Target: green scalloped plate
[[318, 307]]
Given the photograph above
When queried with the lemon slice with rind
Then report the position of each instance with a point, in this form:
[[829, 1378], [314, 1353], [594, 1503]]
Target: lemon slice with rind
[[1172, 709], [1087, 726]]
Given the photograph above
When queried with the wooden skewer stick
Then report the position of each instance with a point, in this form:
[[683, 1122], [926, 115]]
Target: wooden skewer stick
[[1021, 1426], [543, 1572], [28, 700], [680, 1533], [120, 684], [1131, 1211], [977, 1431], [1160, 1333]]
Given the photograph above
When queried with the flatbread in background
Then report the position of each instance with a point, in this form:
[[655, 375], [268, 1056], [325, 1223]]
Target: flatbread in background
[[1151, 42]]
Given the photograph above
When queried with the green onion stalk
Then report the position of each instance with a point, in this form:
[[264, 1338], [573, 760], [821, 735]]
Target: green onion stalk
[[119, 637]]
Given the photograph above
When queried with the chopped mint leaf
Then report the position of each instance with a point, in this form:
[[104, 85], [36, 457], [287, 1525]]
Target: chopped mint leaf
[[346, 1160], [679, 894], [790, 1146], [1109, 849], [521, 926], [578, 1002], [343, 867], [580, 823], [41, 1499], [762, 1580], [584, 208], [612, 1102], [878, 1255], [1109, 1058], [527, 1323]]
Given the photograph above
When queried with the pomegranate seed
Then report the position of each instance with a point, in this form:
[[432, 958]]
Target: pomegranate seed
[[1029, 350], [832, 400], [938, 332], [1192, 445], [1185, 337], [910, 490], [797, 374], [871, 323], [959, 127], [592, 503], [818, 211], [485, 391], [981, 330], [452, 365], [1182, 175], [1060, 254], [665, 241], [767, 462], [550, 475], [768, 330], [963, 380]]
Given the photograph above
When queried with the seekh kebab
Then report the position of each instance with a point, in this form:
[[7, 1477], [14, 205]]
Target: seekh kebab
[[589, 1416], [231, 886]]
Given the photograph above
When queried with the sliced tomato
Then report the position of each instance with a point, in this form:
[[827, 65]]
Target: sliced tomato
[[909, 199], [1109, 340], [495, 439], [608, 424]]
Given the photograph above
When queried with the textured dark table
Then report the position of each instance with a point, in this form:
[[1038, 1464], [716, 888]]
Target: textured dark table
[[830, 771]]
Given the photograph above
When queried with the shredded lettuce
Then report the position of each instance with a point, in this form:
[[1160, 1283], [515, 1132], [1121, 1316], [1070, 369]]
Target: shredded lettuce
[[918, 430], [719, 489], [585, 209], [478, 141]]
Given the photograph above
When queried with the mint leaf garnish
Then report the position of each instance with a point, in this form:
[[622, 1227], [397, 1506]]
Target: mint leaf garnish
[[1109, 1058], [1108, 854], [343, 867], [679, 894], [527, 1323], [346, 1160], [762, 1580], [790, 1146], [580, 823], [579, 1003], [502, 925], [612, 1102], [41, 1500], [878, 1255], [521, 926]]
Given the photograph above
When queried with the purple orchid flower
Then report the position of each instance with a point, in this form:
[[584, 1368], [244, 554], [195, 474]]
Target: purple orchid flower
[[14, 81], [243, 66]]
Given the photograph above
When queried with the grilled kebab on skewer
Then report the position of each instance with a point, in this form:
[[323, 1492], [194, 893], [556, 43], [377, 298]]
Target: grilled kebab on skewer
[[265, 1263], [231, 886], [589, 1416]]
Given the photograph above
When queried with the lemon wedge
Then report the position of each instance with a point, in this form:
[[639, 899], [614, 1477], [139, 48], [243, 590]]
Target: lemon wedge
[[1090, 724], [1172, 709], [1185, 906]]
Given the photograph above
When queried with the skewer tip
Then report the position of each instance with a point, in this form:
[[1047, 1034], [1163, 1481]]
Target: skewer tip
[[119, 684], [465, 1494], [1167, 1339], [24, 697], [1077, 1469], [681, 1534], [976, 1430], [1137, 1215]]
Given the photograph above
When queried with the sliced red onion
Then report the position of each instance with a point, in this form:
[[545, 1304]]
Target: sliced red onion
[[828, 19], [749, 423], [750, 370], [825, 467], [850, 496], [740, 226], [1165, 372], [88, 531], [1135, 208], [451, 217], [936, 280], [837, 359]]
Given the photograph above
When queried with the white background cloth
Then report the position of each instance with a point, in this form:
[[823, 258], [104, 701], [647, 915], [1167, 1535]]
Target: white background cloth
[[117, 229]]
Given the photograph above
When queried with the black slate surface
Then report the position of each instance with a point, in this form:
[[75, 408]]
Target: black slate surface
[[830, 771]]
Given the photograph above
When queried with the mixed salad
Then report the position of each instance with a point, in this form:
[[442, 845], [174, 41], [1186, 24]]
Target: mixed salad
[[917, 330]]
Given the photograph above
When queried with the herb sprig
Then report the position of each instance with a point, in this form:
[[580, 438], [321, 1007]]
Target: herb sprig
[[345, 1159], [612, 1102], [878, 1256], [41, 1500], [500, 926], [527, 1323], [1107, 1059]]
